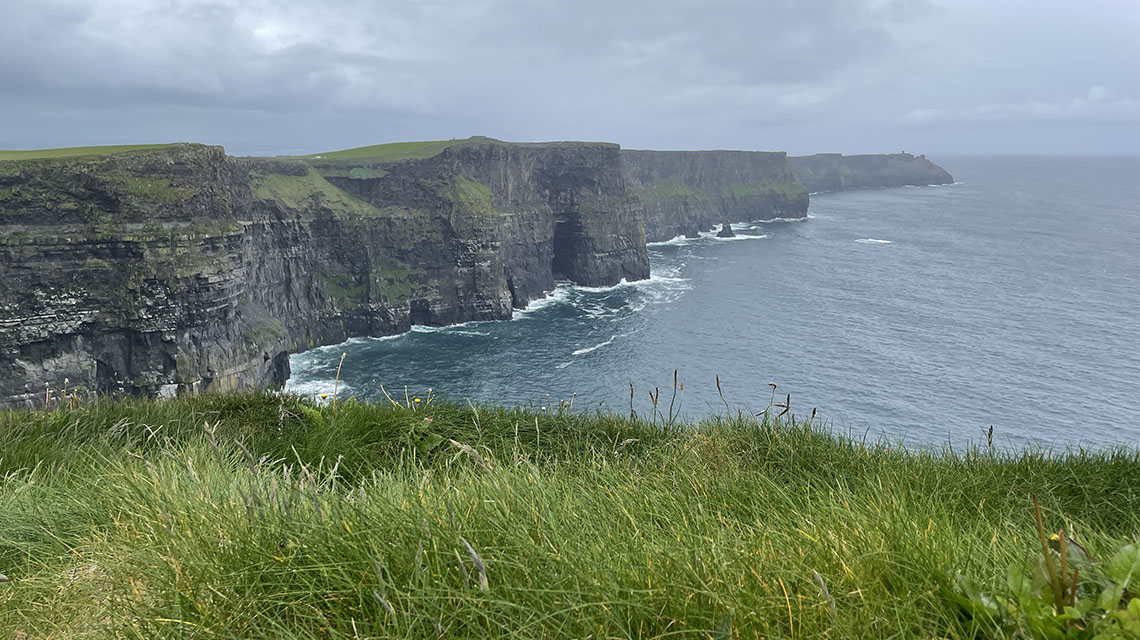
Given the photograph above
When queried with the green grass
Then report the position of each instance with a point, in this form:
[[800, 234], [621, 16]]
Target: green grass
[[155, 188], [471, 195], [740, 190], [788, 187], [389, 152], [665, 189], [300, 192], [77, 152], [287, 520]]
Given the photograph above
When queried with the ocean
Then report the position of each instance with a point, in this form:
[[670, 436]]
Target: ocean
[[920, 315]]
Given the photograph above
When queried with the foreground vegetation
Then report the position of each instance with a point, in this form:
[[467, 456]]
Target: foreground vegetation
[[262, 516]]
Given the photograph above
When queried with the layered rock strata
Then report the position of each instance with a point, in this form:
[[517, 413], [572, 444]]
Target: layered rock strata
[[179, 269], [182, 269]]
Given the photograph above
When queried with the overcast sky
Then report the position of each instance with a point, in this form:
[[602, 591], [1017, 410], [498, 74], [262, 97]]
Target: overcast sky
[[291, 76]]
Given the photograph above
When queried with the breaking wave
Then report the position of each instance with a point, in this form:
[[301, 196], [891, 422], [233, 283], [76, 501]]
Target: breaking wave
[[314, 388], [582, 352]]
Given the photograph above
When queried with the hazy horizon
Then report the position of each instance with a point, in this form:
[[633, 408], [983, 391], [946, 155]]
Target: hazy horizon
[[284, 77]]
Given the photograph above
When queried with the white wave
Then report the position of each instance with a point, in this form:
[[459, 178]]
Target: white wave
[[424, 328], [933, 186], [771, 220], [676, 241], [561, 293], [741, 237], [450, 328], [340, 346], [713, 237], [873, 241], [581, 352], [702, 236], [314, 388], [654, 279]]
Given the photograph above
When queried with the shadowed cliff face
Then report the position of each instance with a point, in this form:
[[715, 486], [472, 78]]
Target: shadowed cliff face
[[185, 270], [835, 172], [686, 192]]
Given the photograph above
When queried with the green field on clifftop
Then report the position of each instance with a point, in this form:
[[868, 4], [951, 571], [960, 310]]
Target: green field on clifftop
[[76, 152], [389, 152], [259, 516]]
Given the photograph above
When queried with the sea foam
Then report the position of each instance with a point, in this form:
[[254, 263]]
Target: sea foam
[[581, 352]]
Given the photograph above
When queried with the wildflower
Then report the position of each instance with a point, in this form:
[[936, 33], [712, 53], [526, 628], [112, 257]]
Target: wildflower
[[324, 396], [428, 419], [1076, 552], [417, 400]]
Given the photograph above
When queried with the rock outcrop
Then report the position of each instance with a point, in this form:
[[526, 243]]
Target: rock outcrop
[[181, 269], [686, 192], [835, 172]]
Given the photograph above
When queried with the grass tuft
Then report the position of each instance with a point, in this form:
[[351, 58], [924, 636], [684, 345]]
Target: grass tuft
[[254, 516]]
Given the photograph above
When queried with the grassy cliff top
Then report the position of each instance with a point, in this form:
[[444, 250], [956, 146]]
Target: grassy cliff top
[[79, 152], [389, 152], [396, 151], [257, 516]]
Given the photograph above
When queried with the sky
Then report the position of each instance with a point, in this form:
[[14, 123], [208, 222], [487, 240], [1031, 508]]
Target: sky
[[301, 76]]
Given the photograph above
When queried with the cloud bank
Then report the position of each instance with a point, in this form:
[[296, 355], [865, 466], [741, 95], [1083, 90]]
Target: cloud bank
[[284, 76]]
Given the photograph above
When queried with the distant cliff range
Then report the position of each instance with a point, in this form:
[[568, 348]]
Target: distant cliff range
[[834, 172], [169, 269]]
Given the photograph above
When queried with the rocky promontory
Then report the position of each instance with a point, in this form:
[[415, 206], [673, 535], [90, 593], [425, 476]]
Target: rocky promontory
[[836, 172]]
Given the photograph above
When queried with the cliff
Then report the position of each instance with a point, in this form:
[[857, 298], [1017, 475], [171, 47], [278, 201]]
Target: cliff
[[686, 192], [178, 269], [836, 172], [181, 269]]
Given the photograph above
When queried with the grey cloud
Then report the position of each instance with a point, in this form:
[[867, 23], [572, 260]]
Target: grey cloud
[[288, 75], [1097, 105]]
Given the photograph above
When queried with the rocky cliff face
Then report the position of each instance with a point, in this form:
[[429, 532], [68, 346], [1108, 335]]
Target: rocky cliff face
[[179, 269], [183, 270], [836, 172], [686, 192]]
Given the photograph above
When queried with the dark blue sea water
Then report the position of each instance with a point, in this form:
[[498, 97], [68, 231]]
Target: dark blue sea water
[[922, 314]]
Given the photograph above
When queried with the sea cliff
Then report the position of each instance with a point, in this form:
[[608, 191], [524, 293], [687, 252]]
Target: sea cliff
[[686, 192], [180, 269], [836, 172], [175, 269]]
